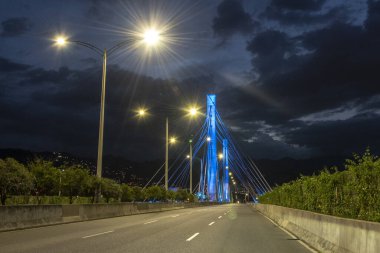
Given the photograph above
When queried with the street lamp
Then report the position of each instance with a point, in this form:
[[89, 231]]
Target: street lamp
[[150, 38], [193, 111], [141, 112], [191, 165]]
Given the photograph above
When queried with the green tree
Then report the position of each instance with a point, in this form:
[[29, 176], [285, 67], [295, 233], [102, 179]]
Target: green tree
[[171, 195], [126, 193], [90, 187], [45, 178], [138, 194], [74, 181], [110, 189], [181, 195], [191, 197], [154, 193], [14, 179]]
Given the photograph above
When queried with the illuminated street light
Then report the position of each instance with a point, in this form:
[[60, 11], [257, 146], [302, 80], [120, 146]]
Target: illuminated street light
[[60, 41], [151, 37], [208, 139], [230, 173], [220, 156], [141, 112], [172, 140], [193, 111]]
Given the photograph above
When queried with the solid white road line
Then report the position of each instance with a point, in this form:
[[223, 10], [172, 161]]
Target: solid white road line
[[150, 222], [88, 236], [192, 237], [219, 217], [291, 235], [211, 223]]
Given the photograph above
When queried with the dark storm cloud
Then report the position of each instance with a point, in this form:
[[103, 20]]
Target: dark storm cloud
[[59, 110], [15, 26], [340, 65], [101, 10], [302, 17], [311, 67], [271, 51], [298, 4], [339, 137], [373, 19], [232, 19], [333, 67], [7, 66]]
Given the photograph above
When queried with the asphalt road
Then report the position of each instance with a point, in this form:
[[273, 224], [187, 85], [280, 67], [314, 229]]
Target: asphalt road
[[226, 228]]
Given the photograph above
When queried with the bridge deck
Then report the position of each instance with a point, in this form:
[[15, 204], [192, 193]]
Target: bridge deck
[[227, 228]]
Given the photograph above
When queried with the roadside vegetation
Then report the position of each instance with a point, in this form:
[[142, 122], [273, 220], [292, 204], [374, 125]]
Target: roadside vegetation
[[40, 182], [352, 193]]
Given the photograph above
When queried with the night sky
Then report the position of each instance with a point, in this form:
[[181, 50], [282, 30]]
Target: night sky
[[293, 78]]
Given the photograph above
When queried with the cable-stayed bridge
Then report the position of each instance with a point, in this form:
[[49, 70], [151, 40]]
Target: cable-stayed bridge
[[222, 163], [206, 227]]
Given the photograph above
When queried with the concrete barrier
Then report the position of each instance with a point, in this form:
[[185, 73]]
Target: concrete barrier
[[324, 232], [26, 216], [12, 217]]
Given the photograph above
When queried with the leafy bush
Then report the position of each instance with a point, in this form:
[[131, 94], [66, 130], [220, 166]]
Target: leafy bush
[[352, 193]]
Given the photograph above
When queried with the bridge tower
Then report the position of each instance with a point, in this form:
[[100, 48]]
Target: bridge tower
[[225, 172], [212, 183]]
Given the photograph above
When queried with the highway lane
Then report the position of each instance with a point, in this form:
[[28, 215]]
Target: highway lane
[[226, 228]]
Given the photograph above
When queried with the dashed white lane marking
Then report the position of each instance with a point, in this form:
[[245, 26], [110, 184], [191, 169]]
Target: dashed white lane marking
[[192, 237], [219, 217], [88, 236], [291, 235], [175, 215], [150, 222], [211, 223]]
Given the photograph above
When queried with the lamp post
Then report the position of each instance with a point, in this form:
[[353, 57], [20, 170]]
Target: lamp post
[[191, 165], [150, 37], [168, 141], [167, 155], [191, 170], [192, 111], [141, 113]]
